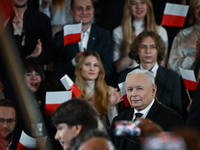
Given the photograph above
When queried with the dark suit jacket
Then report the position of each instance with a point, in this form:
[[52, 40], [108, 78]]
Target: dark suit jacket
[[168, 87], [99, 41], [194, 113], [160, 114]]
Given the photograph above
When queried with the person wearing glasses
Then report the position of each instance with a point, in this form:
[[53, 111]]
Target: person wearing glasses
[[8, 121]]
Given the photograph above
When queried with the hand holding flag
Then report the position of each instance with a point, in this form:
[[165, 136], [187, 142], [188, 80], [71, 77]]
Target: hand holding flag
[[69, 85], [123, 92], [27, 142]]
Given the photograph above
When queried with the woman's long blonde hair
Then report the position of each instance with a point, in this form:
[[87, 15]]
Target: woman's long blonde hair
[[101, 90], [128, 30]]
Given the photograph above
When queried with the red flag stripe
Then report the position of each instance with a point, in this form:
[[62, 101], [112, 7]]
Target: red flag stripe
[[72, 38], [190, 85], [75, 91], [20, 146], [50, 109], [175, 21], [126, 102]]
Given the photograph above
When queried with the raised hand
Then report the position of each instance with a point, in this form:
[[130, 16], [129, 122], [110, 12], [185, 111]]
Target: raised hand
[[37, 51], [115, 97], [18, 21]]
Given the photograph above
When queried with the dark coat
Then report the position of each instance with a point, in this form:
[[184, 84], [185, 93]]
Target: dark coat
[[160, 114]]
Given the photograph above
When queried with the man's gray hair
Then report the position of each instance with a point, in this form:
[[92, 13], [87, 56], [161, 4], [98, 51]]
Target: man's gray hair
[[148, 76]]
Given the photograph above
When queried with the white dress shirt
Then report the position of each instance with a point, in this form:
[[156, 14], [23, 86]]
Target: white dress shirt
[[153, 70]]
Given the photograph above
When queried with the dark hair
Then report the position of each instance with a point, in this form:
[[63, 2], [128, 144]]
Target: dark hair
[[74, 112], [160, 46], [7, 103], [86, 135], [32, 64], [72, 3]]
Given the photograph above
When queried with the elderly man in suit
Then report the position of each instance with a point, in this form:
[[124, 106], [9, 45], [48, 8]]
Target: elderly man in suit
[[141, 91], [93, 38], [148, 49]]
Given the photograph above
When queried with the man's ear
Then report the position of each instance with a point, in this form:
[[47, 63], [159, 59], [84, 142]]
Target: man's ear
[[154, 89], [78, 129]]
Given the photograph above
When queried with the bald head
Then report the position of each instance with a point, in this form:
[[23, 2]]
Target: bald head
[[97, 143]]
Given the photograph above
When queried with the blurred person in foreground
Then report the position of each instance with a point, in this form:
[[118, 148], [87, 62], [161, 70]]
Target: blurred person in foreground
[[141, 90], [72, 118], [92, 140]]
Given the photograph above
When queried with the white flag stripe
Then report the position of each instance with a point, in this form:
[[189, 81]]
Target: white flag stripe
[[122, 88], [27, 141], [58, 97], [72, 28], [176, 9], [67, 82], [187, 74]]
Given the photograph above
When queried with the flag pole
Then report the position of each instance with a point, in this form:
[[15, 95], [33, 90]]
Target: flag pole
[[188, 94]]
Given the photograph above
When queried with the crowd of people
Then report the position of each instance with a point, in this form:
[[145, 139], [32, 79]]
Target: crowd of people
[[136, 50]]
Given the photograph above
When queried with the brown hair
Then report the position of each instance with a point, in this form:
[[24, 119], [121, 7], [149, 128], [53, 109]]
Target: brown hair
[[101, 90], [191, 10], [160, 46]]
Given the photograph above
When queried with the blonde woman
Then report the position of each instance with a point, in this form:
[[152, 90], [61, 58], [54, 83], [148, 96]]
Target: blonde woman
[[138, 16], [90, 80]]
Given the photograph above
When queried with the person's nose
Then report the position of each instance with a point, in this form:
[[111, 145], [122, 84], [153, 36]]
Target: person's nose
[[138, 5], [134, 93], [148, 50], [5, 124], [33, 77], [91, 67], [57, 136]]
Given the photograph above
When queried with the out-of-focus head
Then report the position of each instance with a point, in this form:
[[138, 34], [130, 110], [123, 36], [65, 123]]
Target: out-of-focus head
[[194, 10], [8, 119], [90, 67], [138, 10], [140, 88], [82, 10], [34, 75], [20, 3], [71, 118], [148, 47], [92, 140]]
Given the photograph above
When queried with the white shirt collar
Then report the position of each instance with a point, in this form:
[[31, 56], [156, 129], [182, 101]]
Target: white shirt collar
[[153, 70], [144, 111]]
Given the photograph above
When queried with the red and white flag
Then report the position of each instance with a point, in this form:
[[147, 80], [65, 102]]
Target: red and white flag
[[123, 91], [27, 142], [189, 79], [69, 85], [54, 99], [174, 15], [72, 33]]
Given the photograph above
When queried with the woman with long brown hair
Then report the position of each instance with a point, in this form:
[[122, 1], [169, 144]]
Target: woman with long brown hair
[[90, 80], [138, 16]]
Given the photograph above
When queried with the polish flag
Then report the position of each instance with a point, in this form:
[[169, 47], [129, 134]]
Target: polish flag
[[189, 79], [54, 99], [123, 91], [174, 15], [72, 33], [69, 85], [27, 142]]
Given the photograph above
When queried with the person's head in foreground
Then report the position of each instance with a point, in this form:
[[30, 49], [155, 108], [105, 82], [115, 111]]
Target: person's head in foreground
[[8, 120], [72, 118], [140, 88], [148, 48], [92, 140]]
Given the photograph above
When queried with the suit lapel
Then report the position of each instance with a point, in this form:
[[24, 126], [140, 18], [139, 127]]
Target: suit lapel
[[153, 111], [92, 39], [160, 81]]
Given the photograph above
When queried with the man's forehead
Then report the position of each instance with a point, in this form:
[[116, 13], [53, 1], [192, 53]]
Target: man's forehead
[[83, 3], [7, 110]]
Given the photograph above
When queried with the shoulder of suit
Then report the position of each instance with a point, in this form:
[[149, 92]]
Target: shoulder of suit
[[168, 71]]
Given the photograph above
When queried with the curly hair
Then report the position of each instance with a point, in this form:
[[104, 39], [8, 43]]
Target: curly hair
[[160, 45], [101, 90]]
